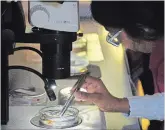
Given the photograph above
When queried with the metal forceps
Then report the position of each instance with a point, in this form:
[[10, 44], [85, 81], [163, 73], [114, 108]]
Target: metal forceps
[[77, 86]]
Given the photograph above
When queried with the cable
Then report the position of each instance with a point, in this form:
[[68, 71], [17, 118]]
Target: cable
[[30, 70], [48, 89], [28, 48]]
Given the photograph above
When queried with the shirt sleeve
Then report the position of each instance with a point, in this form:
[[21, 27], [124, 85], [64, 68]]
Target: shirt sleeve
[[148, 106]]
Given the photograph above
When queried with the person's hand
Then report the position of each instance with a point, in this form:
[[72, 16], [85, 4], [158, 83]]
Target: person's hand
[[99, 95]]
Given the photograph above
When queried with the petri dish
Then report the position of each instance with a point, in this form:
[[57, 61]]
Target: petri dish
[[49, 117], [27, 97]]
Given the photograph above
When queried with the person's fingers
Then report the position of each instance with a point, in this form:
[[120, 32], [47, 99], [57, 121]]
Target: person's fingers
[[95, 81], [90, 79], [90, 97], [92, 85], [87, 86], [81, 89], [73, 88], [90, 88], [86, 83]]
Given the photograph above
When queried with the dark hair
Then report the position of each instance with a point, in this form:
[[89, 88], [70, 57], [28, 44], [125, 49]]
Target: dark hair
[[142, 20]]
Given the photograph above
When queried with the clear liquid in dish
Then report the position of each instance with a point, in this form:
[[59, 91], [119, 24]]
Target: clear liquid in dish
[[56, 113], [49, 117]]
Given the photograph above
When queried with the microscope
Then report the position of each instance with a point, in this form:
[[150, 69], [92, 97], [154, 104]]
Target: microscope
[[54, 26]]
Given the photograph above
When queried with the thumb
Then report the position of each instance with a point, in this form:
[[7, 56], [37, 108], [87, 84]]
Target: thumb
[[90, 97]]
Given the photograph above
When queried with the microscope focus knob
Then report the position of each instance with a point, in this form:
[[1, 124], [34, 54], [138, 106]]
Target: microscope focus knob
[[39, 16]]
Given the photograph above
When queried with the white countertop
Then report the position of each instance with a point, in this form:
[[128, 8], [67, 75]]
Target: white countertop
[[20, 118], [114, 77]]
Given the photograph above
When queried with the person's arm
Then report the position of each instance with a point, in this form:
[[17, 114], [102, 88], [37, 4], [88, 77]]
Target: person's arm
[[148, 106], [151, 107]]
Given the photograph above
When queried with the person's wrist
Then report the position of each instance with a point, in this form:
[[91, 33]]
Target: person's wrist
[[124, 105], [120, 105]]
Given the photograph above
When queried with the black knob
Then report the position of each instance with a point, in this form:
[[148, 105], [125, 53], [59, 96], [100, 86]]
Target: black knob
[[80, 34], [60, 1]]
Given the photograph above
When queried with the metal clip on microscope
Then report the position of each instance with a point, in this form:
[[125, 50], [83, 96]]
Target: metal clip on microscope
[[55, 27]]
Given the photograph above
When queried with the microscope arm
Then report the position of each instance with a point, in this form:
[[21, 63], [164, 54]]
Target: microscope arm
[[28, 48]]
